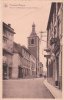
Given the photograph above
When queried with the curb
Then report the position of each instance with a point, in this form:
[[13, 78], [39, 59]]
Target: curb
[[54, 91]]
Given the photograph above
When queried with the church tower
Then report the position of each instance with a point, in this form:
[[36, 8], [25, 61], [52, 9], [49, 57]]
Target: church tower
[[33, 45]]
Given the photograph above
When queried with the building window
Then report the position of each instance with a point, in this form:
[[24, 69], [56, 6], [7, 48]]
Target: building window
[[54, 15], [58, 25], [32, 41], [59, 5], [54, 31], [4, 40]]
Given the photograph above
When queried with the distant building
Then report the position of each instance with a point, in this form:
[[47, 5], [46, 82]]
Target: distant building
[[8, 36], [24, 63], [33, 65], [54, 45], [40, 69], [33, 46]]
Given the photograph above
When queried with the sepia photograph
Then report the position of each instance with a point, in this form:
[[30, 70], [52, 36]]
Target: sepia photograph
[[32, 51]]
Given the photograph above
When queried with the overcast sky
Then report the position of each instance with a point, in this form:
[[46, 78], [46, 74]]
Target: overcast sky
[[21, 14]]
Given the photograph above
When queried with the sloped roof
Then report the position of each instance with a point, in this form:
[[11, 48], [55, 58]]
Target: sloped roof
[[26, 49], [17, 48], [8, 27]]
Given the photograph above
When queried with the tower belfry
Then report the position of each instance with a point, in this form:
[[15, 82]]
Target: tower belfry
[[33, 44]]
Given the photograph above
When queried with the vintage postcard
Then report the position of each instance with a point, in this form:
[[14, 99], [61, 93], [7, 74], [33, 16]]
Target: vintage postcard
[[32, 49]]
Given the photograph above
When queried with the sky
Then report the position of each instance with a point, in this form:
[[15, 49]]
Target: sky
[[21, 14]]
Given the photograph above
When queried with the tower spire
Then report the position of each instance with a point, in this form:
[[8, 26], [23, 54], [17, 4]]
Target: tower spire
[[33, 28]]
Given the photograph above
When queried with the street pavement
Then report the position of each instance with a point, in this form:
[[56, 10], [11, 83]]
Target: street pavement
[[25, 88]]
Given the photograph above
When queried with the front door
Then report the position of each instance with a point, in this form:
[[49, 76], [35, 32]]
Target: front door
[[5, 75], [10, 72], [20, 74]]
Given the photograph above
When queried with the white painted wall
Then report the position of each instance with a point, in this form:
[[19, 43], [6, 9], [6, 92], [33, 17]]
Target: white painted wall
[[16, 62]]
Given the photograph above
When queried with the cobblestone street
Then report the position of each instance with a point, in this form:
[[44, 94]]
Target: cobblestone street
[[25, 88]]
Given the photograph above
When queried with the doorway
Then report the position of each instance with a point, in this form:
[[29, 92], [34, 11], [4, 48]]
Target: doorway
[[5, 68], [20, 73]]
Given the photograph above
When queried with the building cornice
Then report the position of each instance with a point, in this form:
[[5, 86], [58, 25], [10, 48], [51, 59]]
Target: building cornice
[[8, 27]]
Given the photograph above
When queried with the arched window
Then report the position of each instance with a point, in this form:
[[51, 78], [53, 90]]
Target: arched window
[[32, 41]]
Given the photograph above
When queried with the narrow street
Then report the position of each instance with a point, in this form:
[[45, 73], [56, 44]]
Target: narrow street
[[25, 88]]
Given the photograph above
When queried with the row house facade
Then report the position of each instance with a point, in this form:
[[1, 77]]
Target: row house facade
[[8, 36], [17, 61], [54, 45], [24, 64], [26, 61]]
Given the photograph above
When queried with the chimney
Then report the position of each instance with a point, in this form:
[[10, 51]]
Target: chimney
[[9, 25]]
